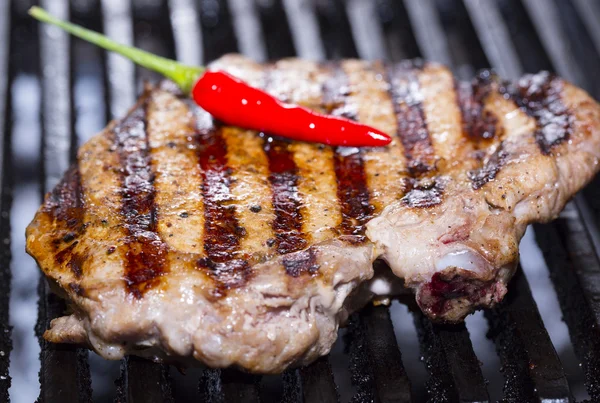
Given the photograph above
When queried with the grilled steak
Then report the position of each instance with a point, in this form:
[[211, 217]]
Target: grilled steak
[[175, 236]]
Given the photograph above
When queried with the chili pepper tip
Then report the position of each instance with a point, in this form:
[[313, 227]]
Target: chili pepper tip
[[379, 138]]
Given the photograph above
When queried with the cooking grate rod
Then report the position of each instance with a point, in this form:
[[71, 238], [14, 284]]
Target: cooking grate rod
[[5, 202]]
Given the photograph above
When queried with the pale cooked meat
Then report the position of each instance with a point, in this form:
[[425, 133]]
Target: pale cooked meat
[[178, 238]]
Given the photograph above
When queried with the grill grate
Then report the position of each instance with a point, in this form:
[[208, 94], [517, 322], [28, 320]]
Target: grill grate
[[510, 35]]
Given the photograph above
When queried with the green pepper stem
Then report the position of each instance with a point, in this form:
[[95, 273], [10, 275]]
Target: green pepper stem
[[184, 76]]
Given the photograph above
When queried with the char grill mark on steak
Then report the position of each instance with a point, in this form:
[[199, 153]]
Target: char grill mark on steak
[[66, 207], [222, 231], [352, 191], [490, 169], [539, 96], [421, 190], [478, 123], [287, 204], [145, 256], [412, 127], [300, 263]]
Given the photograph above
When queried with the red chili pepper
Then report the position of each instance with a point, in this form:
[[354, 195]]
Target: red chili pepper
[[235, 102]]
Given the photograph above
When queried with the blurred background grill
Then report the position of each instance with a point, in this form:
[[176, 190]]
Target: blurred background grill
[[56, 91]]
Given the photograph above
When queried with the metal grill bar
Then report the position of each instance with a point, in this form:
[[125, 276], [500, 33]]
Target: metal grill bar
[[303, 25], [276, 31], [64, 374], [143, 382], [246, 25], [532, 368], [574, 271], [186, 31], [335, 29], [217, 31], [5, 201], [494, 37], [389, 377], [589, 11], [454, 368], [399, 38], [317, 382], [368, 36], [120, 72], [546, 19], [239, 387], [428, 30]]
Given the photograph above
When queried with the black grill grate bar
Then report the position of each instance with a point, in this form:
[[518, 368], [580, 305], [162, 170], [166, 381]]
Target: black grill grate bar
[[532, 369], [589, 12], [143, 382], [368, 35], [186, 31], [239, 387], [547, 21], [118, 25], [428, 30], [454, 368], [335, 29], [317, 383], [571, 272], [248, 32], [5, 201], [64, 374], [303, 23], [494, 37], [389, 376], [399, 37]]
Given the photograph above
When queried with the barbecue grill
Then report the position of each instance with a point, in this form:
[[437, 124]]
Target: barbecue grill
[[53, 88]]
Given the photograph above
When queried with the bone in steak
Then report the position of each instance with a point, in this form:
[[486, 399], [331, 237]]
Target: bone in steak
[[176, 237]]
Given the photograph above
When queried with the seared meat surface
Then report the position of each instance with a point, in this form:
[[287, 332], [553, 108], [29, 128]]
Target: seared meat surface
[[176, 237]]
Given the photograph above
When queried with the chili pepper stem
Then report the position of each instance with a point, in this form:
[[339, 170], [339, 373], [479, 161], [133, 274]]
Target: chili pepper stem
[[184, 76]]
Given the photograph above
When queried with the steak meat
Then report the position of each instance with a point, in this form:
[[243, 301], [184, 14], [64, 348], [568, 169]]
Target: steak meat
[[175, 237]]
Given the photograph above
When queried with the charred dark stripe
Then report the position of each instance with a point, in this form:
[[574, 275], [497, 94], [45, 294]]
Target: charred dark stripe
[[227, 275], [352, 191], [477, 123], [222, 232], [490, 169], [412, 128], [221, 229], [145, 259], [287, 203], [426, 192], [66, 207], [539, 96], [303, 262]]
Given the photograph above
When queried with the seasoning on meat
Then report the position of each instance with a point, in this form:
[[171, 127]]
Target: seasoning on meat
[[176, 237]]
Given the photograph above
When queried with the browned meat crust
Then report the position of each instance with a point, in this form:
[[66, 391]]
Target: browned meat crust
[[177, 237]]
